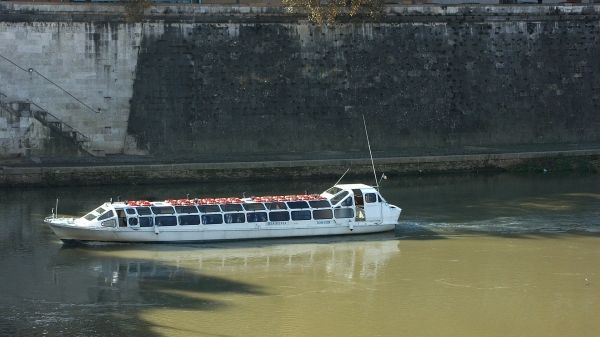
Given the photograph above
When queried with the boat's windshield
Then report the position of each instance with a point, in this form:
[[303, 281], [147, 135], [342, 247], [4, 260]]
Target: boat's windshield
[[99, 210], [333, 190], [93, 214], [339, 197]]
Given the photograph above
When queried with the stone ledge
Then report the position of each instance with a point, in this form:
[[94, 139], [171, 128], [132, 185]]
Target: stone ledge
[[148, 174], [214, 13]]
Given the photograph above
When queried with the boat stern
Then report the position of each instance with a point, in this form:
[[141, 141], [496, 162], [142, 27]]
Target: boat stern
[[391, 215]]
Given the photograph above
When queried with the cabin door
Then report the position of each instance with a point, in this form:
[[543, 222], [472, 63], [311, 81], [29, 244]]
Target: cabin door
[[372, 207], [122, 217], [359, 204]]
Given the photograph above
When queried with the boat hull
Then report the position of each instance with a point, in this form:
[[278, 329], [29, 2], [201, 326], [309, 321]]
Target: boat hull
[[77, 233]]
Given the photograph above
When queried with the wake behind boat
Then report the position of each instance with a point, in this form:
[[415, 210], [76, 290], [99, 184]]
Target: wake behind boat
[[342, 209]]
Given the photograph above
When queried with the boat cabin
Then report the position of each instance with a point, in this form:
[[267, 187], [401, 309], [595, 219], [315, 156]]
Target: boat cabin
[[341, 204]]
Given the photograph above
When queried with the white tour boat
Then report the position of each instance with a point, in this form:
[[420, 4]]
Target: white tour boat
[[342, 209]]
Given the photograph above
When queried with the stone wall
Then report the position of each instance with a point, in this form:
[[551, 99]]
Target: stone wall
[[21, 135], [93, 62], [219, 86]]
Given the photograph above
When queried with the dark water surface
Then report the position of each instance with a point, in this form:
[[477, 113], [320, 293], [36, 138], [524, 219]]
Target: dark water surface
[[493, 255]]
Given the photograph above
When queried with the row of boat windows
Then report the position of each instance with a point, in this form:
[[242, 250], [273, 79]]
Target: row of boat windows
[[228, 218], [252, 207], [270, 206]]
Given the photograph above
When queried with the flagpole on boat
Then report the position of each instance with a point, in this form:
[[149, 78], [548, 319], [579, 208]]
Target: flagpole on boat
[[370, 153]]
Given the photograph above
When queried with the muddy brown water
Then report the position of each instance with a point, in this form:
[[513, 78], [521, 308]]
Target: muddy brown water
[[487, 255]]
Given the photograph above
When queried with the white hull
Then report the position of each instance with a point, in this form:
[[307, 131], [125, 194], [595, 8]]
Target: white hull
[[75, 233], [343, 209]]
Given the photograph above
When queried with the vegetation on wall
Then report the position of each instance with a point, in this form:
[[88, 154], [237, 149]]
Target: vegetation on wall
[[330, 11], [134, 9]]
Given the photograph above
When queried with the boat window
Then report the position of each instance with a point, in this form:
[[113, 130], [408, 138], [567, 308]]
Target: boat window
[[232, 208], [189, 220], [163, 210], [133, 222], [347, 202], [297, 204], [90, 216], [146, 222], [271, 206], [107, 215], [279, 216], [339, 197], [342, 213], [254, 207], [333, 190], [186, 209], [166, 221], [370, 197], [322, 214], [319, 204], [99, 210], [212, 219], [109, 223], [130, 211], [143, 210], [209, 209], [301, 215], [257, 217], [235, 218]]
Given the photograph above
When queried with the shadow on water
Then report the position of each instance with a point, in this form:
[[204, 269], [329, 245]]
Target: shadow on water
[[119, 288]]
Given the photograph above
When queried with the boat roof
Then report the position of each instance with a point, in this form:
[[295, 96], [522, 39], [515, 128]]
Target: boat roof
[[236, 200], [218, 201], [353, 186]]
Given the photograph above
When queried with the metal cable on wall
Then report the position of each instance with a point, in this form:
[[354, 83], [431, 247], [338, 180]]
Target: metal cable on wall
[[32, 70]]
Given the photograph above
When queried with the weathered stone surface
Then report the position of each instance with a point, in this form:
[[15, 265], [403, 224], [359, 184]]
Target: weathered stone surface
[[228, 84], [93, 62], [207, 89]]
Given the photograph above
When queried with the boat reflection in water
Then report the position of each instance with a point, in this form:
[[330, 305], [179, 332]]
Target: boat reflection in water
[[341, 259]]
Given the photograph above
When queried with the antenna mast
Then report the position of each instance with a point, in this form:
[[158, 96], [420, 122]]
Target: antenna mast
[[370, 153], [342, 177]]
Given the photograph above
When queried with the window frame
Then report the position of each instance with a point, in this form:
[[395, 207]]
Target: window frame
[[286, 218], [187, 216], [250, 217], [209, 216], [303, 211], [232, 215], [292, 204], [157, 220], [158, 210], [370, 195], [324, 210], [339, 210]]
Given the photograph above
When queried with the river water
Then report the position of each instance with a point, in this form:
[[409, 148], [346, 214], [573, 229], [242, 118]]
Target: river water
[[481, 255]]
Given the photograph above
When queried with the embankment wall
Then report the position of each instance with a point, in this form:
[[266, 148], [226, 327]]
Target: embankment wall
[[218, 84]]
